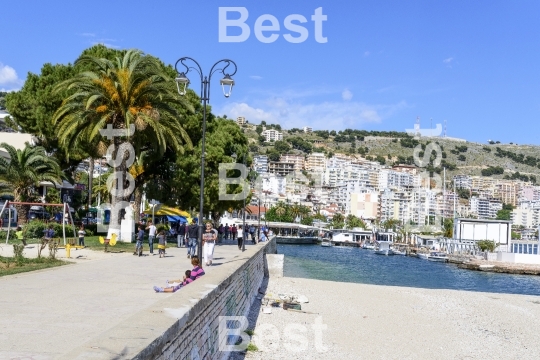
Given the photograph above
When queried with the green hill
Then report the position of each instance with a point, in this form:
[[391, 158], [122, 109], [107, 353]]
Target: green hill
[[392, 148]]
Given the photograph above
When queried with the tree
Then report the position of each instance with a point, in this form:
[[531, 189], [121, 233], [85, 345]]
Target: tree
[[23, 172], [132, 90], [281, 147], [448, 227], [259, 129], [354, 222], [338, 221]]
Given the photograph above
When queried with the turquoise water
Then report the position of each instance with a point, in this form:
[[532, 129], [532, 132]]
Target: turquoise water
[[356, 265]]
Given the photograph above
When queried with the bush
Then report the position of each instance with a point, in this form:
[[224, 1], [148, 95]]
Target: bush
[[35, 228], [486, 245]]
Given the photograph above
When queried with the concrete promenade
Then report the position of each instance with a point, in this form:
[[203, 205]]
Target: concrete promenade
[[103, 302]]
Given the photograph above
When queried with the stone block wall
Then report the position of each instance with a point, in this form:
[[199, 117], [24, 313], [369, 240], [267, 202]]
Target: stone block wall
[[195, 335]]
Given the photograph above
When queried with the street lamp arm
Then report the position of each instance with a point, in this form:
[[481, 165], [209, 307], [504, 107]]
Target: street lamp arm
[[222, 70]]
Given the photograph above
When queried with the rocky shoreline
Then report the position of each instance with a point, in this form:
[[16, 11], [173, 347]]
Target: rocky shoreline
[[471, 263]]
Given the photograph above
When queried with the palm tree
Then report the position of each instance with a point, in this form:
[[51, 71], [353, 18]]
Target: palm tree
[[132, 90], [23, 172]]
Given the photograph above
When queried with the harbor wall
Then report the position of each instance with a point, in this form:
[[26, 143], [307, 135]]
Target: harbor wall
[[518, 258], [195, 334]]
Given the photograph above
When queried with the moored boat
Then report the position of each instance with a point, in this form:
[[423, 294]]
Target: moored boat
[[438, 256], [423, 256], [326, 244], [384, 248]]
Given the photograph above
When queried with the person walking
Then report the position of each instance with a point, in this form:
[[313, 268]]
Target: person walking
[[234, 231], [252, 233], [193, 235], [181, 234], [209, 238], [220, 232], [81, 236], [240, 237], [151, 235], [162, 243], [227, 231]]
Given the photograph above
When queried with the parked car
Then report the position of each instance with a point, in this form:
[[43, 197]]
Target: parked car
[[42, 215]]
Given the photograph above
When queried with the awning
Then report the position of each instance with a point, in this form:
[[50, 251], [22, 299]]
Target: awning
[[169, 211], [176, 218]]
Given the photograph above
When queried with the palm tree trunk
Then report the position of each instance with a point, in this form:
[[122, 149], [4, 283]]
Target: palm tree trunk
[[90, 181], [137, 203], [119, 196]]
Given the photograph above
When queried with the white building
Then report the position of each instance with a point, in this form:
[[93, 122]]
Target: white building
[[241, 120], [485, 208], [272, 135], [463, 181], [260, 164]]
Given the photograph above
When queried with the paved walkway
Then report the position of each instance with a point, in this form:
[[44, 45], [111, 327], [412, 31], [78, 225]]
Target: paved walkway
[[47, 314]]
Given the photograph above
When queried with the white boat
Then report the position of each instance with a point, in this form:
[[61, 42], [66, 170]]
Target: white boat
[[422, 256], [326, 244], [399, 252], [384, 248], [438, 256]]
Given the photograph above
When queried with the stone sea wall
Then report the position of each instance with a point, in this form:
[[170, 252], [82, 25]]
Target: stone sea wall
[[195, 335]]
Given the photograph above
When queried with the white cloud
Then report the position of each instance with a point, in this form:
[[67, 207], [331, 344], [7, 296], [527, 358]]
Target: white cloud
[[347, 95], [325, 115], [448, 60], [8, 77], [256, 77]]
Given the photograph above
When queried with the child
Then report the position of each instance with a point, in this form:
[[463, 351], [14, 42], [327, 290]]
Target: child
[[161, 243], [20, 235], [197, 271], [139, 244], [81, 236], [187, 280]]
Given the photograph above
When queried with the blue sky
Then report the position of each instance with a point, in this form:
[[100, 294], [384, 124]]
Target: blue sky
[[475, 64]]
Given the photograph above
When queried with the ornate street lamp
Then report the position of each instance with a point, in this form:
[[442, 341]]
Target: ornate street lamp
[[227, 84]]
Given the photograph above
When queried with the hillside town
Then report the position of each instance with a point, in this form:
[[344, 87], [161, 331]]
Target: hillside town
[[354, 185]]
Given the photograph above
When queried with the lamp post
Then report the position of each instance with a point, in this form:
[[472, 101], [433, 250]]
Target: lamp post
[[234, 156], [181, 83]]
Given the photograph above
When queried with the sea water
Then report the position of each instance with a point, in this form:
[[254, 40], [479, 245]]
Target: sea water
[[348, 264]]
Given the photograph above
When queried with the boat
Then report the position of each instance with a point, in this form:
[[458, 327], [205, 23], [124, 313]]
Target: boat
[[423, 256], [399, 252], [326, 244], [438, 256], [384, 248], [368, 247]]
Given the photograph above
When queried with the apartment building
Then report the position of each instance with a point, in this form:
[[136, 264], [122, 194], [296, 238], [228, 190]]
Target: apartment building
[[297, 160], [463, 181], [396, 180], [280, 168], [272, 135], [484, 208], [508, 192], [241, 120], [315, 162], [260, 164], [365, 205]]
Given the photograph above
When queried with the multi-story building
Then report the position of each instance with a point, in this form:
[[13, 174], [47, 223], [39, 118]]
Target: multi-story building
[[315, 162], [308, 129], [241, 120], [280, 168], [272, 135], [508, 192], [485, 208], [297, 160], [365, 205], [463, 181], [389, 179], [260, 164]]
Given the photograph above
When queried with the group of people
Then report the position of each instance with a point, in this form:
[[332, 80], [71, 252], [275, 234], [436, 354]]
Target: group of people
[[152, 230], [189, 277]]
